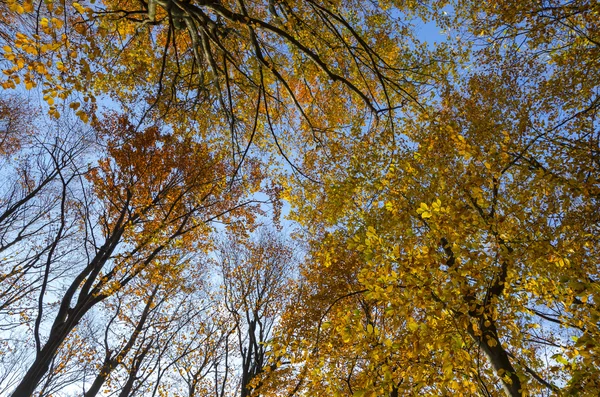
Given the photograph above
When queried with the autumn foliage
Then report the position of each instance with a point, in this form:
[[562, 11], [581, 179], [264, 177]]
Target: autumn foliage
[[437, 162]]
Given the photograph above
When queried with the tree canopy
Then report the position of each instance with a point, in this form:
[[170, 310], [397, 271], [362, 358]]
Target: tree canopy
[[438, 162]]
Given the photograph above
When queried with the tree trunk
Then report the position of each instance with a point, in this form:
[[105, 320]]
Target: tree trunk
[[498, 357], [40, 366]]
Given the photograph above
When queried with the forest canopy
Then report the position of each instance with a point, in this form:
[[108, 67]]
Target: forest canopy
[[299, 198]]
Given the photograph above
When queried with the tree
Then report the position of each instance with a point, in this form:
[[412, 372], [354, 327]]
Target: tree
[[38, 172], [448, 194], [477, 238], [255, 276], [30, 167], [149, 200], [248, 72], [151, 346]]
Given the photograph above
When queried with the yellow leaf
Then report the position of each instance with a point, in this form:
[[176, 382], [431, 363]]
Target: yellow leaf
[[28, 6], [447, 368], [412, 324], [79, 8], [30, 50]]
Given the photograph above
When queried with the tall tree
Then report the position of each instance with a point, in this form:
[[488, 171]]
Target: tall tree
[[256, 276], [150, 199], [248, 72], [478, 238], [448, 191]]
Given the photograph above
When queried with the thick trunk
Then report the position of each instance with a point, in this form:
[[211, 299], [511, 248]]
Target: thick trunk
[[68, 317], [107, 368], [42, 362], [488, 340], [59, 332], [486, 333]]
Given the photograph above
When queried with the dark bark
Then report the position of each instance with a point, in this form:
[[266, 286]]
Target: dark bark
[[110, 363], [485, 332], [128, 389], [488, 341], [68, 317]]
